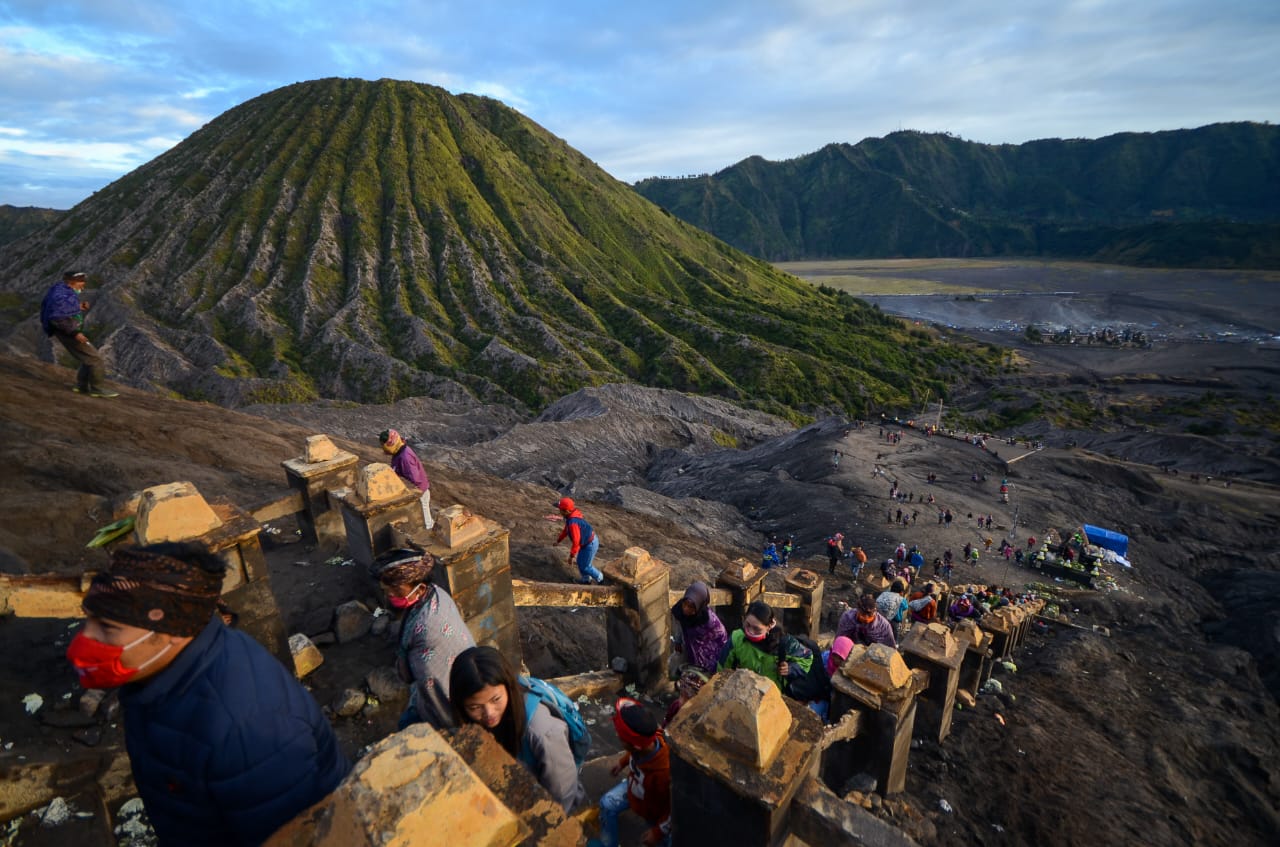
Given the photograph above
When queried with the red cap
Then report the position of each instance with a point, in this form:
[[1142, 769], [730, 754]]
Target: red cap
[[566, 504]]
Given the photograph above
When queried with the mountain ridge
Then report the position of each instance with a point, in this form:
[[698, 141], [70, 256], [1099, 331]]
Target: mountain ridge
[[375, 240], [1137, 198]]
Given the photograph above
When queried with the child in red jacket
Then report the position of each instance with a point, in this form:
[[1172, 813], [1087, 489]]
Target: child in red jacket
[[647, 788]]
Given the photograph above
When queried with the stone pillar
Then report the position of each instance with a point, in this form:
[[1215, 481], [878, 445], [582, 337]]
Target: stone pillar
[[1000, 624], [976, 667], [379, 500], [640, 631], [177, 512], [474, 566], [411, 788], [876, 681], [807, 620], [319, 470], [932, 648], [745, 583], [740, 752]]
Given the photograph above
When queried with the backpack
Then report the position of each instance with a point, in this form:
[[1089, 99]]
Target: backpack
[[560, 706], [814, 685]]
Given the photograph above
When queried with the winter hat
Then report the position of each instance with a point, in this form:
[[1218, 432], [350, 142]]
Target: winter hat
[[169, 588], [840, 649], [403, 567], [635, 726]]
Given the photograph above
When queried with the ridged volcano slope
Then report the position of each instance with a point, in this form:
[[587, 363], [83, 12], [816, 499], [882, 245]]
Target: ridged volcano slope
[[375, 240]]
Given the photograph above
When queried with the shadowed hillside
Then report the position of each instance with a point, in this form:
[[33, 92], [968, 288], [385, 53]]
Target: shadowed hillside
[[377, 240], [1208, 197]]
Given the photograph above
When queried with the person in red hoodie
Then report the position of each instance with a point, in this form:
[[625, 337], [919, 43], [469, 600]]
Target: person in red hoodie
[[583, 542], [647, 788]]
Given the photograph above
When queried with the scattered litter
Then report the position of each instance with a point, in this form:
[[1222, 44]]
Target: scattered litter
[[997, 827], [589, 721], [270, 530], [339, 561], [992, 686], [945, 806], [1000, 718], [632, 690], [66, 696], [32, 703], [379, 612], [1009, 666], [582, 698]]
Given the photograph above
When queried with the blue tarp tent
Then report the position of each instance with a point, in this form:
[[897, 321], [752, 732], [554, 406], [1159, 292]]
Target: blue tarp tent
[[1110, 539]]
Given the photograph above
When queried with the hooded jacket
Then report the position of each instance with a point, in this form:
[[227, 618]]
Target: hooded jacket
[[225, 744]]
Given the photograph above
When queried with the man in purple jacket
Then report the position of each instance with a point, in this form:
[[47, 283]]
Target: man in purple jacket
[[406, 465], [62, 316]]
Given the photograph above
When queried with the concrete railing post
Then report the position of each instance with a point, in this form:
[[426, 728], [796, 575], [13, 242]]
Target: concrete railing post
[[976, 667], [640, 631], [378, 500], [876, 681], [745, 582], [177, 512], [933, 648], [321, 469], [474, 565], [808, 586], [740, 752]]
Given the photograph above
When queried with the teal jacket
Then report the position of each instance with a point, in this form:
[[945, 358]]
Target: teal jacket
[[741, 653]]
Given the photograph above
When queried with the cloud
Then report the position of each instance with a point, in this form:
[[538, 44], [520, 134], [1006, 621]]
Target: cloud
[[664, 87]]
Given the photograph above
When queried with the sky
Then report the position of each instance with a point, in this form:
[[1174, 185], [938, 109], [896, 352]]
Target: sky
[[91, 89]]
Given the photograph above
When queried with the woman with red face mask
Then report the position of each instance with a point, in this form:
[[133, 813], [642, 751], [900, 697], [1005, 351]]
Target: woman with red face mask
[[432, 634]]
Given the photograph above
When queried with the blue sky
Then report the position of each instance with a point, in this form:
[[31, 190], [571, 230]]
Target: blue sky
[[91, 89]]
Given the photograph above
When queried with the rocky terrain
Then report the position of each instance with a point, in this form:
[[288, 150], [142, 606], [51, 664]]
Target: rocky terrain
[[1163, 732]]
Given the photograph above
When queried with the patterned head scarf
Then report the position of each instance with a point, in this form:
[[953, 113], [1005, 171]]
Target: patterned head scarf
[[389, 437], [168, 588], [404, 567]]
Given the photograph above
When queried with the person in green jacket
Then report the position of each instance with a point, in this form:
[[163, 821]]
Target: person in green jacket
[[761, 645]]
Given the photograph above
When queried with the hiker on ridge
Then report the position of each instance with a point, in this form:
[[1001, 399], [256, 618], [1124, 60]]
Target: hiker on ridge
[[62, 317], [407, 466]]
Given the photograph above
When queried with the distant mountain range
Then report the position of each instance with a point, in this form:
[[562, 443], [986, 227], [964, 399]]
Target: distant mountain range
[[17, 221], [369, 241], [1207, 197]]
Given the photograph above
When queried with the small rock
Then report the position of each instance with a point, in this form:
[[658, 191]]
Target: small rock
[[384, 684], [348, 703], [369, 710], [91, 700], [67, 719], [352, 620], [380, 624], [324, 639], [89, 737], [306, 656], [56, 813], [877, 802], [32, 703]]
